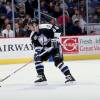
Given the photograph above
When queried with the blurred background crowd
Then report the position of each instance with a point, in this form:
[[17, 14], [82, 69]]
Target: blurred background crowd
[[75, 13]]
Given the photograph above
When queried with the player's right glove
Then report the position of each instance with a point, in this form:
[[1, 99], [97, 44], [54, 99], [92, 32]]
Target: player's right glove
[[55, 43]]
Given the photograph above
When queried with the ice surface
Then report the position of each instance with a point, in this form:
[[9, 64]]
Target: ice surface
[[20, 86]]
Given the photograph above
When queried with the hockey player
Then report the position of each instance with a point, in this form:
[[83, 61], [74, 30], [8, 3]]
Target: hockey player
[[46, 45]]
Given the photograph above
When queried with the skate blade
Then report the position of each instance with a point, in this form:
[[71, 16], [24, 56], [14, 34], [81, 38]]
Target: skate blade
[[70, 83], [41, 83]]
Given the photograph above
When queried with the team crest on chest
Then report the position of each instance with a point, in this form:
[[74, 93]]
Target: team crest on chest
[[43, 39], [35, 37]]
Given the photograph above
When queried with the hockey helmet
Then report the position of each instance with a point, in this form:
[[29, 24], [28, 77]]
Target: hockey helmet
[[34, 20]]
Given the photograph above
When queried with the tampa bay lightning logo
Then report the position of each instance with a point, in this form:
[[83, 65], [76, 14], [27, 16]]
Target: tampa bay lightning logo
[[43, 39], [35, 37]]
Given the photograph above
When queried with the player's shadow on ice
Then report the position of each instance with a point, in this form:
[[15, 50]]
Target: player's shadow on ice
[[32, 87], [58, 86], [43, 87]]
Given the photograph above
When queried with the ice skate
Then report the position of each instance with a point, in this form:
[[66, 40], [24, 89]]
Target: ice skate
[[41, 81], [69, 79]]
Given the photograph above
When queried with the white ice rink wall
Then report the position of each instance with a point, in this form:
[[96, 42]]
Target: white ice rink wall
[[20, 50], [15, 50]]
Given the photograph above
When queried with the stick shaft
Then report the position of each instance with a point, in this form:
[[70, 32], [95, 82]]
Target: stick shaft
[[14, 72]]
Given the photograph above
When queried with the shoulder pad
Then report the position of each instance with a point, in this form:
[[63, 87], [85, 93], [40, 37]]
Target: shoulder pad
[[47, 26]]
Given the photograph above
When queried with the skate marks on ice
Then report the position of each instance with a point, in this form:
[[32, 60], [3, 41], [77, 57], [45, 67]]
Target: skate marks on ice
[[49, 86], [28, 87]]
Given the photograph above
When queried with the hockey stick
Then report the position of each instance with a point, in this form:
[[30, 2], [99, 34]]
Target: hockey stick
[[14, 72]]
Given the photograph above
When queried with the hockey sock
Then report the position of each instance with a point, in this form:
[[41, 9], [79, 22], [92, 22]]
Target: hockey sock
[[64, 69], [39, 68]]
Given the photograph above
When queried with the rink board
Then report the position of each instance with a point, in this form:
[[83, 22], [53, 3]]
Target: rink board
[[15, 61], [20, 50], [66, 58]]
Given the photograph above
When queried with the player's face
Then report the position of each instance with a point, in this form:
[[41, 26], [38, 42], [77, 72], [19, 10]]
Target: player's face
[[31, 28], [35, 27]]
